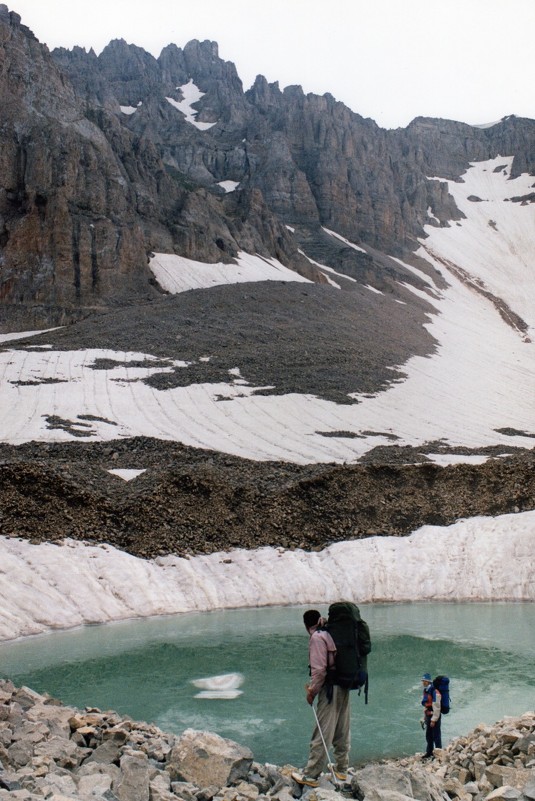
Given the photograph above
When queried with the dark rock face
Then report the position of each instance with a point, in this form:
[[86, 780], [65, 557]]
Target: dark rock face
[[68, 229], [87, 191]]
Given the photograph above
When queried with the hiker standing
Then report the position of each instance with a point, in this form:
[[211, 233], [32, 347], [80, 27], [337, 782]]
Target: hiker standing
[[431, 702], [332, 708]]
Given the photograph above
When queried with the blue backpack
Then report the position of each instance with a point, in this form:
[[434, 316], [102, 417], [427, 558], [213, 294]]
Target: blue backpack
[[442, 684]]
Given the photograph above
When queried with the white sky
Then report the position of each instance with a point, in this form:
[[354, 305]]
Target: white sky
[[392, 60]]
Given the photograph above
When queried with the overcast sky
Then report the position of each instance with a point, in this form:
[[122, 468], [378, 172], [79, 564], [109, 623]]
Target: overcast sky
[[392, 60]]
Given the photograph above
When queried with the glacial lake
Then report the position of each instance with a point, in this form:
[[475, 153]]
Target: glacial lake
[[146, 669]]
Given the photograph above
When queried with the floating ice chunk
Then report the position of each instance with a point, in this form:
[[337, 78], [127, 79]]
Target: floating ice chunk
[[224, 682], [223, 695]]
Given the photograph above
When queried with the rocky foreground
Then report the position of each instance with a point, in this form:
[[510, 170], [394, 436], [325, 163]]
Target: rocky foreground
[[54, 752]]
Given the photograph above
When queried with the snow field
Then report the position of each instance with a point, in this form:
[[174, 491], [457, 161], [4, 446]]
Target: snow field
[[480, 379]]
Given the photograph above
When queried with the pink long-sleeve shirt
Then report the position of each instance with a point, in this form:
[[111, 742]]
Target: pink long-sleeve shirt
[[321, 653]]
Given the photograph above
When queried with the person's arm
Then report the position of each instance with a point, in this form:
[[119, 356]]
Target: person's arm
[[437, 700], [318, 654]]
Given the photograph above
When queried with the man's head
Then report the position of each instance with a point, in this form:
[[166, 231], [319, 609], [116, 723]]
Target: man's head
[[426, 680], [311, 618]]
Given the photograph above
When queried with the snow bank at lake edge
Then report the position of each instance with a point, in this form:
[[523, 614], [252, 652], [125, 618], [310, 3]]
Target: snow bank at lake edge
[[51, 586]]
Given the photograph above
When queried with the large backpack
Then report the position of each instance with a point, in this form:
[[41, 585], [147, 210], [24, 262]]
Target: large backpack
[[442, 684], [351, 636]]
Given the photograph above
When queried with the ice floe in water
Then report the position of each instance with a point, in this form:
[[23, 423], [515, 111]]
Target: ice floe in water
[[224, 686]]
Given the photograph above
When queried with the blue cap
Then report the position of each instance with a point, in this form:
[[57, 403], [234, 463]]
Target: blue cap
[[427, 677]]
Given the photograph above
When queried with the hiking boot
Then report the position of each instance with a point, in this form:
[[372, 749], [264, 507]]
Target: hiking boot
[[309, 781], [341, 775]]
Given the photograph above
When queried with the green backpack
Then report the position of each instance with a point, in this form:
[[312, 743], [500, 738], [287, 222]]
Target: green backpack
[[351, 636]]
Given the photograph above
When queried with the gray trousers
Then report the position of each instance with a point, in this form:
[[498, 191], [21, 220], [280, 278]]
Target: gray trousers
[[334, 721]]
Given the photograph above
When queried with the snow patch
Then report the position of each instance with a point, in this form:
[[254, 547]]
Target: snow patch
[[229, 186], [24, 334], [191, 94], [494, 246], [325, 269], [126, 474], [373, 289], [177, 274]]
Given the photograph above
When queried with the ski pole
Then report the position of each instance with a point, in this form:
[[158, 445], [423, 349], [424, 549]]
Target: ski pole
[[329, 763]]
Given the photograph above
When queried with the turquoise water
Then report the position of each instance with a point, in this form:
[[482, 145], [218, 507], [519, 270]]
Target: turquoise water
[[145, 669]]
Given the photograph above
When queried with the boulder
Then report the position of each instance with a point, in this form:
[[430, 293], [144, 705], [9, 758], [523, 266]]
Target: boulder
[[377, 782], [61, 783], [160, 788], [500, 775], [64, 752], [505, 793], [108, 753], [320, 794], [56, 718], [204, 758], [133, 783], [529, 790], [20, 753]]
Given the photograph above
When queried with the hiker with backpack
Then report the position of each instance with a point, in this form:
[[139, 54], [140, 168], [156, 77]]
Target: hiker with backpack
[[431, 702], [337, 665]]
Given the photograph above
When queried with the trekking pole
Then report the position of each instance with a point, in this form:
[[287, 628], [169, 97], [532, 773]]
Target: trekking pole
[[335, 780]]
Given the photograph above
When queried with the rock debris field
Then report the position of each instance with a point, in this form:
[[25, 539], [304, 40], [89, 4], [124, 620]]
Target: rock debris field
[[55, 752]]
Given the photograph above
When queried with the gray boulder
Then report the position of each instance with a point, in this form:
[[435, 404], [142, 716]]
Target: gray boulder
[[529, 789], [133, 784], [505, 793], [204, 759], [65, 753], [108, 753], [97, 779], [392, 783]]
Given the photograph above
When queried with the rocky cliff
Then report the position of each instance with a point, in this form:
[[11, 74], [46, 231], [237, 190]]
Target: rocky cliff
[[102, 163]]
